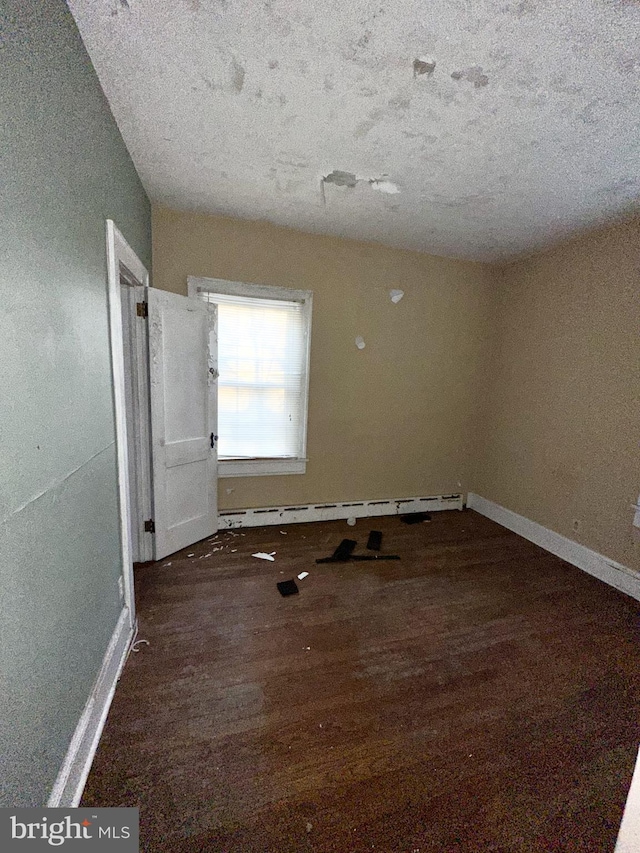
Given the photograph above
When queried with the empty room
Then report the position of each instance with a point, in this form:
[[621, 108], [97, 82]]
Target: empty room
[[321, 425]]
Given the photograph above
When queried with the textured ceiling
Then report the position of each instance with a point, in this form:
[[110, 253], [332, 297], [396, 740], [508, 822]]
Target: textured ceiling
[[479, 129]]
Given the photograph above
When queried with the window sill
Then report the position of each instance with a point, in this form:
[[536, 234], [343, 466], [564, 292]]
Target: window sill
[[260, 467]]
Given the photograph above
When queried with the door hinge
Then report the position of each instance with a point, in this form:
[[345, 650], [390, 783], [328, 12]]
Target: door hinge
[[142, 309], [150, 526]]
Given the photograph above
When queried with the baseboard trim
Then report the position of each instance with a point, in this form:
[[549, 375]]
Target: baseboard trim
[[332, 511], [69, 785], [615, 574]]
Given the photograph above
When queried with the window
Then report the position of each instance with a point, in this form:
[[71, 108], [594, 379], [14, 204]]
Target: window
[[263, 367]]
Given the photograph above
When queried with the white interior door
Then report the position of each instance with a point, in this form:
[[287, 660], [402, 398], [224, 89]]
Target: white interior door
[[182, 431]]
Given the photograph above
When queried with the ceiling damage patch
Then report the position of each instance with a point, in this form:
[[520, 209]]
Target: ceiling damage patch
[[341, 179], [237, 76], [119, 6], [422, 66], [474, 74], [348, 179], [384, 185], [549, 97]]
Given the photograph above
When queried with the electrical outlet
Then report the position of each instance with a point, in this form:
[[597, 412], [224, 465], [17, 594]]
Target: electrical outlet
[[121, 588]]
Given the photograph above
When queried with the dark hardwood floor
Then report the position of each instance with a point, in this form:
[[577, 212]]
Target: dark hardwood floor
[[478, 695]]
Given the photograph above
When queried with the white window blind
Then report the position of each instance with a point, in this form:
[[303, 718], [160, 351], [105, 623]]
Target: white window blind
[[261, 384]]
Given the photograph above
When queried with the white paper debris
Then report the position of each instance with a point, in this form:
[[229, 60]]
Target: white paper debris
[[396, 296], [309, 827], [135, 646], [284, 532], [360, 342], [262, 556], [233, 550], [303, 575], [351, 521], [190, 555]]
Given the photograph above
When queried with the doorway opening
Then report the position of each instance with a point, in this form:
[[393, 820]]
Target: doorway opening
[[128, 282]]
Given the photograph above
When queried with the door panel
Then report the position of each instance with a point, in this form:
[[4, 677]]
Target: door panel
[[184, 463]]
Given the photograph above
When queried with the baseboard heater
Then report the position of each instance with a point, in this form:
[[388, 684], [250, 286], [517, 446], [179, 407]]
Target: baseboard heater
[[332, 511]]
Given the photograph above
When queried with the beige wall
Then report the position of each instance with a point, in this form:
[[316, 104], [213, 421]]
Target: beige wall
[[560, 433], [393, 420]]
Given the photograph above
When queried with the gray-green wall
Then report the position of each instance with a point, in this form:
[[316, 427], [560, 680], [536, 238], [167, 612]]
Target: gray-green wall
[[64, 170]]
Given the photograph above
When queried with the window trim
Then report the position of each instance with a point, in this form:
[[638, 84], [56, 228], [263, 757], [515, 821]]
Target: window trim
[[264, 467]]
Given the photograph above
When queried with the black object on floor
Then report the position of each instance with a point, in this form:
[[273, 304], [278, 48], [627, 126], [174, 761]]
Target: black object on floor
[[375, 540], [342, 553], [415, 517], [287, 587]]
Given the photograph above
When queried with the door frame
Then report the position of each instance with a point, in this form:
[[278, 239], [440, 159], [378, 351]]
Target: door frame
[[136, 351], [121, 255]]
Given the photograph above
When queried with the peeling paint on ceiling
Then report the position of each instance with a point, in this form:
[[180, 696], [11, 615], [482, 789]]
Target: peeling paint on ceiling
[[508, 124]]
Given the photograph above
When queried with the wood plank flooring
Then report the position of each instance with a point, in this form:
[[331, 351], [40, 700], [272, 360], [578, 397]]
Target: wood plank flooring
[[478, 695]]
